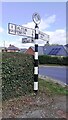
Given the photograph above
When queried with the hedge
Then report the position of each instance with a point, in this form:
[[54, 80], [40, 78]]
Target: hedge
[[58, 60], [17, 75]]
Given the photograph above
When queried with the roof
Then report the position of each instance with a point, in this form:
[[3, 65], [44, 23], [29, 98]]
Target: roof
[[23, 50], [40, 50], [58, 50], [12, 47], [66, 47]]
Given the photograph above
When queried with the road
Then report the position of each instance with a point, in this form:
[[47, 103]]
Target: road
[[55, 72]]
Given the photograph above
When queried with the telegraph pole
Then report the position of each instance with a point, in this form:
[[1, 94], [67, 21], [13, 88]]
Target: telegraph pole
[[4, 43]]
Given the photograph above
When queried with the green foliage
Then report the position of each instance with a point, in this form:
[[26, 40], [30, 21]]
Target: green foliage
[[44, 59], [17, 74]]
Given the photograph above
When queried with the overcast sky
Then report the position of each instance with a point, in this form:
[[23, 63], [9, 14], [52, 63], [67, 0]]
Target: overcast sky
[[53, 21]]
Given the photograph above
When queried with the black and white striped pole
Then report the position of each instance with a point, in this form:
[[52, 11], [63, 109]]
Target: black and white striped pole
[[36, 60], [36, 19]]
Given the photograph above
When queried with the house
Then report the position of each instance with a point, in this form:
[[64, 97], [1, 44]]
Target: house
[[52, 50], [57, 50], [12, 48], [31, 50]]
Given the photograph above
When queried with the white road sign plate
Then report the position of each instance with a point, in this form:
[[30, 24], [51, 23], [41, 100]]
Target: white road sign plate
[[20, 30], [24, 31], [43, 36]]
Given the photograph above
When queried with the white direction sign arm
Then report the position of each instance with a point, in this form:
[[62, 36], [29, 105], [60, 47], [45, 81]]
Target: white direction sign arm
[[20, 30], [43, 36], [24, 31]]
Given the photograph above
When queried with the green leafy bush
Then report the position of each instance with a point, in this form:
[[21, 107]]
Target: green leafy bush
[[17, 74], [44, 59]]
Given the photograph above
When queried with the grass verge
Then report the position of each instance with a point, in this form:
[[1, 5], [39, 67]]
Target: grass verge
[[52, 88]]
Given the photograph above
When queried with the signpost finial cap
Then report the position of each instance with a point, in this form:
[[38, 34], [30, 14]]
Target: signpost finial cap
[[36, 18]]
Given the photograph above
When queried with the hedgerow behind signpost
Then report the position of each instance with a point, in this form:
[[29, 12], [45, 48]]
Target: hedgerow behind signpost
[[17, 75], [56, 60]]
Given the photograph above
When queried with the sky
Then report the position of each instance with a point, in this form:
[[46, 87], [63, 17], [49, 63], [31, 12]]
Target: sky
[[53, 21]]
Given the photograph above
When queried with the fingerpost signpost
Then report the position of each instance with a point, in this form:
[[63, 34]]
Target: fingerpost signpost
[[35, 35], [36, 19]]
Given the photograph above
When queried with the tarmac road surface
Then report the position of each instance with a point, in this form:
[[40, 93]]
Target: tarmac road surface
[[55, 72]]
